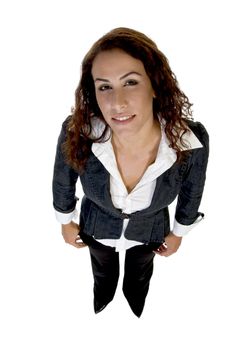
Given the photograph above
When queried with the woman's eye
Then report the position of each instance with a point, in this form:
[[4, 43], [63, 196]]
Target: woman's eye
[[131, 82], [104, 87]]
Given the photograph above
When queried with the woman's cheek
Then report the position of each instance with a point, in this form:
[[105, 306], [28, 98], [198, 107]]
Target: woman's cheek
[[104, 104]]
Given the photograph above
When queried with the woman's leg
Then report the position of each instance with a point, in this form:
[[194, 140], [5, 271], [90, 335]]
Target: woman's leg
[[138, 272], [105, 268]]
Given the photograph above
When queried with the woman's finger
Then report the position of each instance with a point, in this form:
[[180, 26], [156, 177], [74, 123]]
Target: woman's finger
[[79, 243]]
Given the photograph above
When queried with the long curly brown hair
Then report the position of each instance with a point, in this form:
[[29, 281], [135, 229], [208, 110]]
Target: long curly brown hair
[[170, 104]]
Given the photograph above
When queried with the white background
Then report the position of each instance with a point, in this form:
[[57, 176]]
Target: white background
[[46, 286]]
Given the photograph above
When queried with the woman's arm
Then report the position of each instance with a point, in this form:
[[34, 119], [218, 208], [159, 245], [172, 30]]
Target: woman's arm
[[193, 182], [64, 181], [189, 198], [64, 199]]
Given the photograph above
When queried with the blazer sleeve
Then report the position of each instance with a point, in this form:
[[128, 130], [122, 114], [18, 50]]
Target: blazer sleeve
[[64, 180], [193, 181]]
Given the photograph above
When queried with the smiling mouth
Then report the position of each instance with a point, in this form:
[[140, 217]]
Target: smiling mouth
[[123, 118]]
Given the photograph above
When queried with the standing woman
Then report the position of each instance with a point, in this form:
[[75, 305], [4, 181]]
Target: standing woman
[[133, 144]]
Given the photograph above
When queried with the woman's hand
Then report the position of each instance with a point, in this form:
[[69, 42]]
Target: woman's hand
[[170, 246], [70, 233]]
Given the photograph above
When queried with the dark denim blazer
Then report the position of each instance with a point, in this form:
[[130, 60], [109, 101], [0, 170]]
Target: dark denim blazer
[[100, 219]]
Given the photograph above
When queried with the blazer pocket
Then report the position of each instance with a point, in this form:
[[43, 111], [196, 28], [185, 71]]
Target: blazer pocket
[[90, 221]]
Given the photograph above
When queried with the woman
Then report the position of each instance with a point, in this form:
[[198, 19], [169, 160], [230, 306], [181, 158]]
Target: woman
[[132, 142]]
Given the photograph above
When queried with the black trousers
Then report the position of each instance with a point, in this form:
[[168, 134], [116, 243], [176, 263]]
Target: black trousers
[[138, 269]]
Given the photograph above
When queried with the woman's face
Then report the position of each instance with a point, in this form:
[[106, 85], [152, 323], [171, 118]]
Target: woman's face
[[123, 91]]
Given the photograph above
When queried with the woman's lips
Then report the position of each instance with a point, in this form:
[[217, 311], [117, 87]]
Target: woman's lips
[[122, 119]]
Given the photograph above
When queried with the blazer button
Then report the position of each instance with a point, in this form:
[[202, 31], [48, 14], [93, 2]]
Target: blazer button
[[125, 216]]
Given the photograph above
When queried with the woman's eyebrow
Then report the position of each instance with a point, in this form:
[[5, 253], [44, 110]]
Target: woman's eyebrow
[[126, 75], [123, 77]]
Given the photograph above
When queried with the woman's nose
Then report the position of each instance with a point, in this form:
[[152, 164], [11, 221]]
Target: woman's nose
[[119, 101]]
